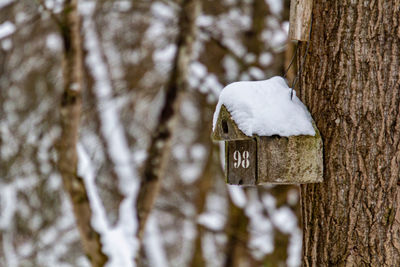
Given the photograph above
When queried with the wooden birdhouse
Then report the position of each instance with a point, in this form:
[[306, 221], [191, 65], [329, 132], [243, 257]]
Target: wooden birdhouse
[[269, 136]]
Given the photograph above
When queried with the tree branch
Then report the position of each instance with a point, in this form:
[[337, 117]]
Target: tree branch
[[159, 146], [71, 105], [243, 64]]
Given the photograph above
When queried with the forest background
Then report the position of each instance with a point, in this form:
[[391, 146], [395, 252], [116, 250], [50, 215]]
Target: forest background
[[125, 76]]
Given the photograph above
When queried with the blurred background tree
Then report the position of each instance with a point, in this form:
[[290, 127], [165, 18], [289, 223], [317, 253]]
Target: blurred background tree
[[129, 57]]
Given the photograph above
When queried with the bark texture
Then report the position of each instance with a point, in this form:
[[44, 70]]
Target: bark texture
[[71, 105], [351, 85], [300, 19], [159, 146]]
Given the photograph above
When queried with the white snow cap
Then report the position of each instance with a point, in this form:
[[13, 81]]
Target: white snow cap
[[264, 108]]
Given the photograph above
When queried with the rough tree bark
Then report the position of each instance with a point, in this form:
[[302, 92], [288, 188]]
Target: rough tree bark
[[71, 105], [158, 150], [351, 85]]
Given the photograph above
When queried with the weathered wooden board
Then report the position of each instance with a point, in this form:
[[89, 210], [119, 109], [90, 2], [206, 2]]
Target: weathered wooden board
[[290, 160], [241, 162], [272, 158], [300, 19]]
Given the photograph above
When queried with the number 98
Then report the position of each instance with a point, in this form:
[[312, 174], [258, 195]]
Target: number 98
[[241, 159]]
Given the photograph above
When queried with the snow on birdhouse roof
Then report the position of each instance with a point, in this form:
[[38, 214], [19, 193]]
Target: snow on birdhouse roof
[[264, 108]]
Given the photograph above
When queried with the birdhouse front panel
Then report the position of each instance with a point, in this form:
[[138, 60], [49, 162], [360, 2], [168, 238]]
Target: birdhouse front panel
[[241, 165]]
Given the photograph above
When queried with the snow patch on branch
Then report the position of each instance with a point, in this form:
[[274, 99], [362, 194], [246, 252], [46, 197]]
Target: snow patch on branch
[[237, 195], [8, 200], [119, 241], [153, 244], [5, 3], [6, 29]]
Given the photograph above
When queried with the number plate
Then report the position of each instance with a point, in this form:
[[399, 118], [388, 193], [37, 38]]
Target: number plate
[[241, 163]]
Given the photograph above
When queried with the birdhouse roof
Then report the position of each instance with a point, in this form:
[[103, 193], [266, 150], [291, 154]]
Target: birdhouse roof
[[264, 108]]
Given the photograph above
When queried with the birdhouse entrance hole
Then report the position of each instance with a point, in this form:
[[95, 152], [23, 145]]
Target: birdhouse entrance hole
[[225, 128]]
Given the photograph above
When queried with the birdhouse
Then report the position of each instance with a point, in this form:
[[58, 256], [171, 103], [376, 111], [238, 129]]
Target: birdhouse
[[269, 135]]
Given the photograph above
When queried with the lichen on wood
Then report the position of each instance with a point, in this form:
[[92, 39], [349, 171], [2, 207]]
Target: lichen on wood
[[290, 160]]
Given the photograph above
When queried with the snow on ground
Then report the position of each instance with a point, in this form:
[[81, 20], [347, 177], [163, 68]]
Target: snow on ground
[[265, 108]]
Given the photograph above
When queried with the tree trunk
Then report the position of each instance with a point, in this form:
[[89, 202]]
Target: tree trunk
[[205, 182], [71, 105], [351, 85], [159, 146]]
